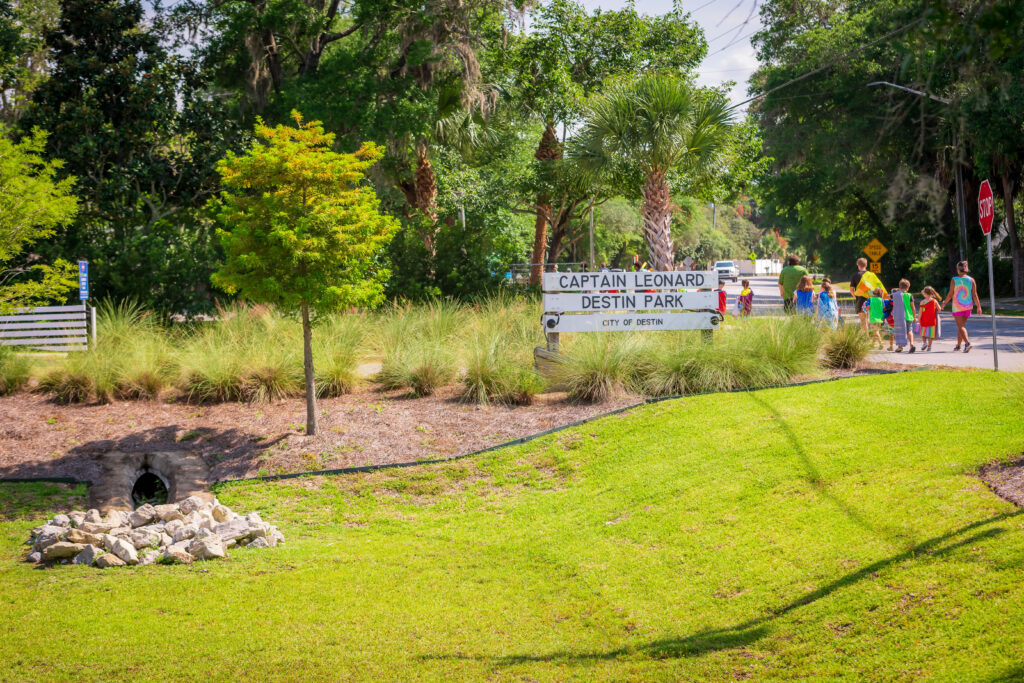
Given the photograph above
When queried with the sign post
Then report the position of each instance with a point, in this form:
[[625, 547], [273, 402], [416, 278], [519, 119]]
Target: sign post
[[985, 205], [83, 295], [83, 280]]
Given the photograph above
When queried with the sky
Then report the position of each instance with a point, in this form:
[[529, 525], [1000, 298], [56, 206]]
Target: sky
[[727, 27]]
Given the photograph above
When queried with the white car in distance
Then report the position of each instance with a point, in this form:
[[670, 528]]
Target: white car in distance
[[727, 270]]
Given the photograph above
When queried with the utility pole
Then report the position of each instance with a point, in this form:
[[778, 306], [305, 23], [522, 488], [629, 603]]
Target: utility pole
[[960, 207]]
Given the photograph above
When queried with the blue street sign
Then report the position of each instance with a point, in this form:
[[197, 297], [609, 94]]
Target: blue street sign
[[83, 280]]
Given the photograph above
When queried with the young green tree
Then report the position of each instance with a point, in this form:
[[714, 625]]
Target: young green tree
[[302, 231], [33, 204]]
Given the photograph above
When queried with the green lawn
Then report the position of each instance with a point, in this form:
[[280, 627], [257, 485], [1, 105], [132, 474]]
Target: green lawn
[[767, 535]]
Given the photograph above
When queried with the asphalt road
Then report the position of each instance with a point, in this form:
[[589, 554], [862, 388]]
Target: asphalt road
[[1010, 334]]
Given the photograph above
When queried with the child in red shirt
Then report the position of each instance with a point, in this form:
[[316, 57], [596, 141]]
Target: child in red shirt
[[929, 317]]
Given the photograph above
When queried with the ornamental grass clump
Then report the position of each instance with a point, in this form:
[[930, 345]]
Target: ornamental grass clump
[[67, 386], [418, 346], [498, 353], [600, 366], [422, 368], [249, 354], [337, 347], [132, 359], [845, 347], [748, 355], [15, 370]]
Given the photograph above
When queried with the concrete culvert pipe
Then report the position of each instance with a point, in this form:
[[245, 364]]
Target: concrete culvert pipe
[[150, 488]]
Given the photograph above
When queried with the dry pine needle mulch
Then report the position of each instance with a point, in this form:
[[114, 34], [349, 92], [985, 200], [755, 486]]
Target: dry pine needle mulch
[[39, 438]]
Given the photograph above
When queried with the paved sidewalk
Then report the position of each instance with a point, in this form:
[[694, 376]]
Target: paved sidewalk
[[1010, 331]]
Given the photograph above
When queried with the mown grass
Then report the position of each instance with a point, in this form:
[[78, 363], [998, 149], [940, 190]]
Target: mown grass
[[819, 532]]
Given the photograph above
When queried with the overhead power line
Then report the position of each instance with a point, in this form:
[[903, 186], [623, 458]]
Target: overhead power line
[[730, 44], [706, 4], [790, 82]]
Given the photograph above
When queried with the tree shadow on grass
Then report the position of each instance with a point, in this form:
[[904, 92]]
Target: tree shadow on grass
[[891, 534], [236, 448], [35, 500], [1011, 674], [750, 631]]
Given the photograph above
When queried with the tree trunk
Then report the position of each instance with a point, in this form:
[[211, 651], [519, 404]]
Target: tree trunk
[[426, 192], [657, 215], [555, 248], [1016, 252], [540, 238], [548, 150], [273, 59], [307, 365]]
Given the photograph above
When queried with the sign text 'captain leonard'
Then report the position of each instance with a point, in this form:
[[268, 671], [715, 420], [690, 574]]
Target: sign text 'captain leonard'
[[567, 282]]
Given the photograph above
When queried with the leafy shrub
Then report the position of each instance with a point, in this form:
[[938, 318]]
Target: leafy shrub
[[845, 347]]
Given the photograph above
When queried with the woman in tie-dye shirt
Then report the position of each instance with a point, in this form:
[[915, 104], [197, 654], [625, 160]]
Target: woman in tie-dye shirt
[[963, 292]]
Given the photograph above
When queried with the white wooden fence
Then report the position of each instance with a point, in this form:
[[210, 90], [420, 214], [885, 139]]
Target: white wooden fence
[[49, 328]]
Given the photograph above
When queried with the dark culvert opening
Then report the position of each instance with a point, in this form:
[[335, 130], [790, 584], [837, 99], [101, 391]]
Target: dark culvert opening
[[149, 488]]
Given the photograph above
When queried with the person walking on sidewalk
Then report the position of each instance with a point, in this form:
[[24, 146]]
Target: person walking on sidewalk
[[930, 308], [903, 314], [963, 292], [789, 278], [859, 301]]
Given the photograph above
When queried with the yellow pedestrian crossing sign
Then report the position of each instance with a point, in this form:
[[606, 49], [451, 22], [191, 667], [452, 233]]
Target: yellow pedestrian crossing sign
[[875, 250]]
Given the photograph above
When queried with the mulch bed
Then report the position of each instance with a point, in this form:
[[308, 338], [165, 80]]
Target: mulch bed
[[43, 439], [39, 438], [1006, 480]]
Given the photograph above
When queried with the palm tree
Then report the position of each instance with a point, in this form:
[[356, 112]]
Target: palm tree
[[654, 125], [461, 126]]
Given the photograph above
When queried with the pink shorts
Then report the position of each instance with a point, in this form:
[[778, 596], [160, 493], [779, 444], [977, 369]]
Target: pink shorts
[[962, 314]]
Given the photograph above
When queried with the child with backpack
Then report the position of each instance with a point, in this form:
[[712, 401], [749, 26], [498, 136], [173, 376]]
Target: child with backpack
[[803, 297], [876, 309], [745, 301], [828, 309]]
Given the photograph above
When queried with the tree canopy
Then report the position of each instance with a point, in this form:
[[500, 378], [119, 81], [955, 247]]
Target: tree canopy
[[301, 229], [33, 205]]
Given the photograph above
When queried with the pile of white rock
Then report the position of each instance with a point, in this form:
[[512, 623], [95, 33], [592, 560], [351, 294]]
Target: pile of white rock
[[191, 530]]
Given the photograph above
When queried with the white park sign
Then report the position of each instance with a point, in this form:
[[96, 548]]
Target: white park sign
[[607, 301], [622, 322], [629, 301], [676, 279]]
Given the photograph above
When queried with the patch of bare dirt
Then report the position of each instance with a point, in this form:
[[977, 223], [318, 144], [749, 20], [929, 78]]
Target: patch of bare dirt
[[1006, 480], [39, 438]]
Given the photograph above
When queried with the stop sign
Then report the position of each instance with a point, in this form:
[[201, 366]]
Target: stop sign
[[985, 207]]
